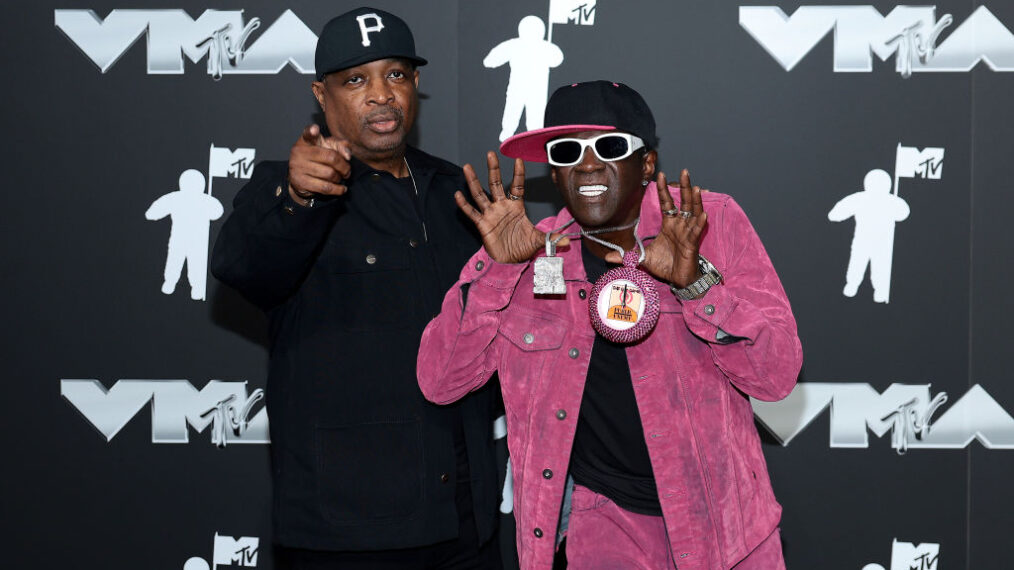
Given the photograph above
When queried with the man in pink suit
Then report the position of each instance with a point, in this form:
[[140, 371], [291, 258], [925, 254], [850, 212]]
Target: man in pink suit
[[629, 426]]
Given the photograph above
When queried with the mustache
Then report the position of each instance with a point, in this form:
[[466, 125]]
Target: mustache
[[385, 113]]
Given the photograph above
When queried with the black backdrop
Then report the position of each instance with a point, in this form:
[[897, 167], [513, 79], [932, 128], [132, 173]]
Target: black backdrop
[[89, 152]]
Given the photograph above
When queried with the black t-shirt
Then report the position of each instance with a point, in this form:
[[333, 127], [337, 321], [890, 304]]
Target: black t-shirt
[[610, 456]]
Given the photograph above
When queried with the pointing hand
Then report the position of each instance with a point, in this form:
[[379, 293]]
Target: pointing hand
[[318, 165]]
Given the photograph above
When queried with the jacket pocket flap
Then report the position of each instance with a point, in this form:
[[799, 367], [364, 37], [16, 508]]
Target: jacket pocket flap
[[365, 258], [532, 332]]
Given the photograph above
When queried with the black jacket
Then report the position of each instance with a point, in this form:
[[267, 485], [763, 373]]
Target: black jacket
[[360, 460]]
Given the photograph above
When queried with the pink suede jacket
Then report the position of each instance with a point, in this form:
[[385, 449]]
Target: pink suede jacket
[[691, 388]]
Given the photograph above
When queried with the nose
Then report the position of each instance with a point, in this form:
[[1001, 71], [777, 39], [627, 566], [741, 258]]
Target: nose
[[589, 161], [380, 92]]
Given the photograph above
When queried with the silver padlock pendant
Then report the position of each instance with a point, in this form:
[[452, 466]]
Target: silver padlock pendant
[[549, 276]]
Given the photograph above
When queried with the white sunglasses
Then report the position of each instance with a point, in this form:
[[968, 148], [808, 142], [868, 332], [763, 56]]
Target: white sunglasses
[[608, 147]]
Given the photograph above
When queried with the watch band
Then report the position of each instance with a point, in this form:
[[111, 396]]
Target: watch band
[[309, 198], [709, 277]]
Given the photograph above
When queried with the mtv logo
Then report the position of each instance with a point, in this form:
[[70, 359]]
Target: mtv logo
[[225, 163], [910, 162], [909, 556], [231, 551], [580, 12]]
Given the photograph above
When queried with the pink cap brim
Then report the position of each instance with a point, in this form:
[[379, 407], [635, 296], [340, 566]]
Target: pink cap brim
[[531, 145]]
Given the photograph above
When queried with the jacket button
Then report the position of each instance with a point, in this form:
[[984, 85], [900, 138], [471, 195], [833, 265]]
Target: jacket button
[[289, 209], [445, 478], [561, 414], [582, 293], [537, 532], [479, 265], [709, 309], [371, 259], [278, 191], [375, 177], [413, 243], [547, 473], [529, 338], [573, 353]]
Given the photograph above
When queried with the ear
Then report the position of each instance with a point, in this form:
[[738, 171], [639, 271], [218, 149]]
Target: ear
[[552, 174], [318, 92], [648, 165], [416, 78]]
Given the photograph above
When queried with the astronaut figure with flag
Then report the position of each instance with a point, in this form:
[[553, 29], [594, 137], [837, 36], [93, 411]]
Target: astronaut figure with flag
[[191, 212], [531, 56], [192, 209], [877, 210]]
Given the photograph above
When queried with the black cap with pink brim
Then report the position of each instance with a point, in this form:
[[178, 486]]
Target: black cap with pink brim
[[590, 106]]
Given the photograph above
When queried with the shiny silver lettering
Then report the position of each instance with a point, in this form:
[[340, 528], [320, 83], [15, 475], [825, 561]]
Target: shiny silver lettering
[[176, 406], [906, 411], [910, 33], [219, 35]]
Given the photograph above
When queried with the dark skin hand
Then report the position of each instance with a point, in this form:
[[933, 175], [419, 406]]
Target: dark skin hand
[[672, 256], [318, 165], [507, 233], [510, 237]]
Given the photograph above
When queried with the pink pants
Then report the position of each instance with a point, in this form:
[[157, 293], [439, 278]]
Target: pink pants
[[603, 536]]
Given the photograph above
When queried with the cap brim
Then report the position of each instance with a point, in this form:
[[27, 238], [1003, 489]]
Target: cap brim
[[531, 145], [416, 60]]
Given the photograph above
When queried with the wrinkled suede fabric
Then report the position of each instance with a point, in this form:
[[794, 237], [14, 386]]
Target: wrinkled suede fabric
[[603, 536], [691, 388]]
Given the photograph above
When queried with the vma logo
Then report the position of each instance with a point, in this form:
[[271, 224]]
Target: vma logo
[[176, 406], [192, 208], [219, 35], [228, 552], [910, 33], [909, 556], [907, 411]]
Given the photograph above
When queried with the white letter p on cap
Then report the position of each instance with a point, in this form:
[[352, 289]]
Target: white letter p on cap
[[365, 30]]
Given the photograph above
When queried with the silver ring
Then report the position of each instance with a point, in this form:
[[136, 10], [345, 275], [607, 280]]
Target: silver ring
[[671, 213], [513, 197], [685, 215]]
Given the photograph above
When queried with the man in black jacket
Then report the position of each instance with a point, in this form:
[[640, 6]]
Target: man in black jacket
[[349, 248]]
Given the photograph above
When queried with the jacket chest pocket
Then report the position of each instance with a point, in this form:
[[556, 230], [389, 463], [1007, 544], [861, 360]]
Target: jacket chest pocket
[[371, 286], [532, 342]]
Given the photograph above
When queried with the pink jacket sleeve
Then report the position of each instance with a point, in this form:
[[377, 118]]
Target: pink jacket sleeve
[[457, 353], [762, 356]]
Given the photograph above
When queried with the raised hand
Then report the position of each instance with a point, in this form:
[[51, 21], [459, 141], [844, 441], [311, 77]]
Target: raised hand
[[672, 256], [318, 165], [506, 231]]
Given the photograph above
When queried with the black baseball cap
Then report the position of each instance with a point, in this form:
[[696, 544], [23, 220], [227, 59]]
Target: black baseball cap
[[360, 36], [589, 106]]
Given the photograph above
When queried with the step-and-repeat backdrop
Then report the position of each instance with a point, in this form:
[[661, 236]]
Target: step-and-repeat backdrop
[[871, 145]]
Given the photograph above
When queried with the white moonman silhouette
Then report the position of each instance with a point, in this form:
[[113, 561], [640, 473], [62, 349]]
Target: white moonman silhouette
[[876, 211], [191, 212], [530, 57], [196, 563]]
